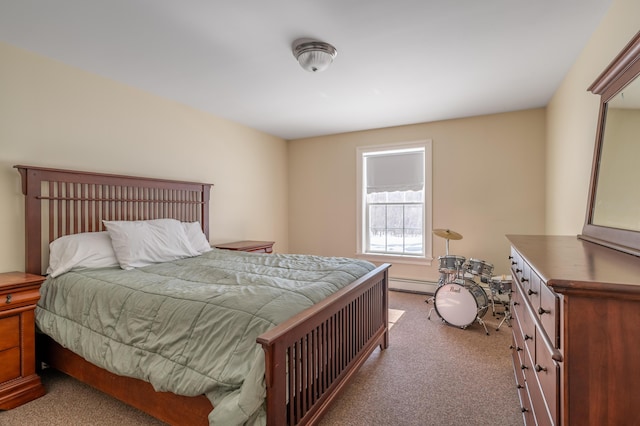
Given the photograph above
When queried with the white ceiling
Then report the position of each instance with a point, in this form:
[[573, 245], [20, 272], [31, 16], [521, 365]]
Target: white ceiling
[[399, 62]]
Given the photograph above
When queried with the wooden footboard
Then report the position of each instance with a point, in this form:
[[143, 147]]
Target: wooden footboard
[[310, 357]]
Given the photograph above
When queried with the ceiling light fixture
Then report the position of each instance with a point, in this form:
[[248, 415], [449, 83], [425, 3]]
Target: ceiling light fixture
[[314, 56]]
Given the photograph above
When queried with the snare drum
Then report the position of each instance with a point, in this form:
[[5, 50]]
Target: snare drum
[[500, 284], [480, 267], [450, 263], [461, 302]]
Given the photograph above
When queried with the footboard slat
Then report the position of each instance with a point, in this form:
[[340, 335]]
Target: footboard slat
[[310, 357]]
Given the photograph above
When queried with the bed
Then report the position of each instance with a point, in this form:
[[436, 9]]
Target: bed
[[308, 358]]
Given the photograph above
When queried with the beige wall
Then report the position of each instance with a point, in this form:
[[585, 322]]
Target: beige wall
[[57, 116], [493, 175], [488, 181], [572, 118]]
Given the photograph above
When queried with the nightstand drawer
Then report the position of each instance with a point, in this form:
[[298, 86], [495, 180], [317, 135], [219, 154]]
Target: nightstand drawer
[[16, 298], [9, 332], [10, 362]]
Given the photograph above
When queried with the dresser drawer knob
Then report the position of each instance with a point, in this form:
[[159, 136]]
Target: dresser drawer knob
[[524, 280], [540, 368], [523, 367], [518, 270], [543, 311], [530, 292], [527, 337], [524, 410], [515, 303], [510, 257], [517, 348], [9, 298], [519, 386]]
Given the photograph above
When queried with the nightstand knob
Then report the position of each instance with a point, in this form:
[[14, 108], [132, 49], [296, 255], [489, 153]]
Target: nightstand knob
[[8, 298]]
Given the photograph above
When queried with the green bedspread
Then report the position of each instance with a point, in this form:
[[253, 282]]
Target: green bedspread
[[190, 326]]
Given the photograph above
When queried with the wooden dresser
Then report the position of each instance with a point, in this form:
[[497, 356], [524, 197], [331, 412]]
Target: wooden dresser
[[576, 331], [19, 383]]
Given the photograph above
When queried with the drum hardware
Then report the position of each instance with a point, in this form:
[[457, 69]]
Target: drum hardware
[[501, 285]]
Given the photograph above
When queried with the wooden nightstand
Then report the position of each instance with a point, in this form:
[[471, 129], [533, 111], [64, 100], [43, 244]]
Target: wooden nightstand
[[251, 246], [19, 383]]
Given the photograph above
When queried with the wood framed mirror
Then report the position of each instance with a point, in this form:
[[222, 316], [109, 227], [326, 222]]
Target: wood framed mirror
[[613, 208]]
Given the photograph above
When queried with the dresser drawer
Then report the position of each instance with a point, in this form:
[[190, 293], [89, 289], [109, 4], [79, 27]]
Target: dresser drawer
[[518, 308], [9, 364], [516, 357], [528, 330], [533, 291], [521, 386], [525, 277], [9, 332], [525, 406], [518, 349], [516, 265], [538, 406], [548, 312], [548, 376]]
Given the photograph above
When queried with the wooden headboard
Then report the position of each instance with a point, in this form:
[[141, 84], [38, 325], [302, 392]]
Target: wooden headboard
[[63, 202]]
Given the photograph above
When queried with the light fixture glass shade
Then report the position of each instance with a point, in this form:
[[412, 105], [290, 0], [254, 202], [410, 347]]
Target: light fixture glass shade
[[314, 56]]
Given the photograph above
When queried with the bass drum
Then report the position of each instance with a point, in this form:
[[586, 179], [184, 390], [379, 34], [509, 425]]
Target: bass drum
[[460, 302]]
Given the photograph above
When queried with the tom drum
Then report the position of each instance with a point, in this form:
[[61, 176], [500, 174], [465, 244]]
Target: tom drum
[[450, 263], [500, 284], [480, 268]]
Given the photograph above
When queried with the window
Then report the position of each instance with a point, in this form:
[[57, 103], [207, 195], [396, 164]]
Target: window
[[394, 193]]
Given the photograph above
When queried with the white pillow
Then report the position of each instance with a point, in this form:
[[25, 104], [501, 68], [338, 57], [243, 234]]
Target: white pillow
[[81, 251], [196, 237], [144, 242]]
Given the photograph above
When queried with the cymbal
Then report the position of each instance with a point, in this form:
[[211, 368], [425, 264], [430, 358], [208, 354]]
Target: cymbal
[[447, 234]]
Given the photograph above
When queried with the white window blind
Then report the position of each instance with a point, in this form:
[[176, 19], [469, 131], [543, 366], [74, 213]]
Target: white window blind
[[402, 171]]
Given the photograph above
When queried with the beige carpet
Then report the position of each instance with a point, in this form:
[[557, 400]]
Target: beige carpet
[[394, 316], [431, 374]]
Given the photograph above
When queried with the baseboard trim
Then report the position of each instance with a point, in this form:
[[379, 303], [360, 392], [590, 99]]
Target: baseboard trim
[[412, 286]]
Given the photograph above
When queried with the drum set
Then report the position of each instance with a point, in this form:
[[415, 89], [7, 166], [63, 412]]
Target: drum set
[[459, 299]]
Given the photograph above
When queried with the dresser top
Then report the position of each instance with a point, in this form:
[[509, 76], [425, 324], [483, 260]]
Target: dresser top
[[567, 263]]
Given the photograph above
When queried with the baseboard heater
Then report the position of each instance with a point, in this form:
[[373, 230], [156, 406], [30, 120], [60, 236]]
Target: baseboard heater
[[413, 286]]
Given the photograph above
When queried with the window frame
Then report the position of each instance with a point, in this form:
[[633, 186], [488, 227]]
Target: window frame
[[362, 221]]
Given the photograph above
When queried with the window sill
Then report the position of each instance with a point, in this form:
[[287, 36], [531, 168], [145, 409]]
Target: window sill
[[387, 258]]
